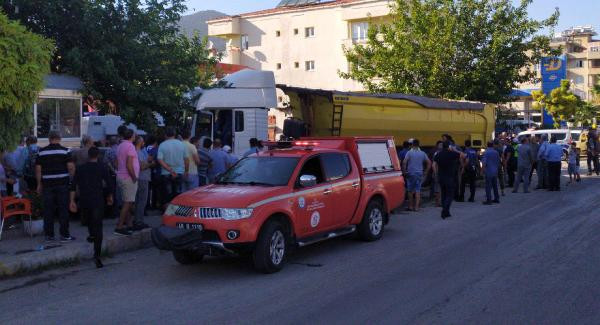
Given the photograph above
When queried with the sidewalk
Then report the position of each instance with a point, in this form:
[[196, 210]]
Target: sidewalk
[[19, 253]]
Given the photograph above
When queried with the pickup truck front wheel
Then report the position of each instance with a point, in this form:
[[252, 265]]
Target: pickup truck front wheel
[[270, 251], [371, 226], [187, 257]]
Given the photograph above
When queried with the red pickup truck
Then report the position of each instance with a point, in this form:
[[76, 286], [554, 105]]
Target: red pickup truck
[[292, 195]]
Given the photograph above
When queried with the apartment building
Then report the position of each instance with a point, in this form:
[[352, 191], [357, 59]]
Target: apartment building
[[581, 53], [302, 41], [583, 58]]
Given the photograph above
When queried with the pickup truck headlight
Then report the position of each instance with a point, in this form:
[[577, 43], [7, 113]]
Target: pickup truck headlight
[[171, 208], [235, 214]]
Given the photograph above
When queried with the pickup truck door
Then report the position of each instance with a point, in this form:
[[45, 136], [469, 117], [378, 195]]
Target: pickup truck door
[[313, 205], [346, 188]]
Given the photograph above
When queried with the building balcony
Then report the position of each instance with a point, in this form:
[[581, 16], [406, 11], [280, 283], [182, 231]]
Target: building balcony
[[577, 55], [234, 55], [225, 28], [595, 70], [363, 12], [350, 42]]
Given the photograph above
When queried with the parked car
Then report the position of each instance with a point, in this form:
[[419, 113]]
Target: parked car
[[564, 137], [313, 190]]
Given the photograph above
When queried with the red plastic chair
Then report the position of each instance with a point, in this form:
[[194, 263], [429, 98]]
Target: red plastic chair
[[12, 206]]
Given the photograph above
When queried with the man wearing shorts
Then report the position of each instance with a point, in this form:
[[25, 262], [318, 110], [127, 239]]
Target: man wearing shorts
[[573, 160], [413, 164], [128, 170]]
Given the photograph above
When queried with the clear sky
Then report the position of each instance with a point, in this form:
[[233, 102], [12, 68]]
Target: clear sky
[[572, 12]]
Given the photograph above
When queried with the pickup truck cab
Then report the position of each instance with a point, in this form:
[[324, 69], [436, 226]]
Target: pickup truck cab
[[294, 194]]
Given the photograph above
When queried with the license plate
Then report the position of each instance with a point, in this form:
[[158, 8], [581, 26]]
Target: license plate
[[187, 226]]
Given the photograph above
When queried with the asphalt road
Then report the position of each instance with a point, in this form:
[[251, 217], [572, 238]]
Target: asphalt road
[[532, 259]]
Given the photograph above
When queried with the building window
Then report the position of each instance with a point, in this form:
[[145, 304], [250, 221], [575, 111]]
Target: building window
[[309, 65], [595, 49], [309, 32], [296, 65], [278, 33], [278, 66], [579, 64], [295, 31], [360, 31], [245, 42], [59, 114], [579, 80]]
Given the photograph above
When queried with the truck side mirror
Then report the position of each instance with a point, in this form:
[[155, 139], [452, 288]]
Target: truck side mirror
[[308, 180]]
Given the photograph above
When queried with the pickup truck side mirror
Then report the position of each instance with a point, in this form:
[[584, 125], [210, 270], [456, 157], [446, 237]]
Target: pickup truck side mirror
[[308, 180]]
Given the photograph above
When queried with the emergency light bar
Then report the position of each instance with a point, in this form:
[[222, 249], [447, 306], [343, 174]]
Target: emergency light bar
[[306, 143], [289, 144]]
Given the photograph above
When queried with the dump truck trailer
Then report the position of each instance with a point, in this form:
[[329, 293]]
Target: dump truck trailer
[[336, 113], [236, 109]]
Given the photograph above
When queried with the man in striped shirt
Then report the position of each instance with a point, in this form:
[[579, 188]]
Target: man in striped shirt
[[54, 170]]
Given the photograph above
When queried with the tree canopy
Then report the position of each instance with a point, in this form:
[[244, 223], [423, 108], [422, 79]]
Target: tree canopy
[[457, 49], [24, 61], [127, 52], [564, 106]]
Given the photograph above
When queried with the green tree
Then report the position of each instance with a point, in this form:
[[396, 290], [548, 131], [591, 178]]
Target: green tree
[[457, 49], [24, 61], [564, 106], [596, 93], [127, 52]]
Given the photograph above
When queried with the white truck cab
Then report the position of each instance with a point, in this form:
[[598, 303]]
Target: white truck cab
[[236, 109]]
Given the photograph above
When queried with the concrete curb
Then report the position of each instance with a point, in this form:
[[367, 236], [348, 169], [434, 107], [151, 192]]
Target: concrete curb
[[71, 253]]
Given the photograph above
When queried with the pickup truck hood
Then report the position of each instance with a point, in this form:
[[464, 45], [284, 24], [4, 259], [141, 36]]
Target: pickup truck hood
[[228, 196]]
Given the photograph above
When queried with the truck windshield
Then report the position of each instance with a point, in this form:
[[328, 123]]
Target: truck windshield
[[267, 171]]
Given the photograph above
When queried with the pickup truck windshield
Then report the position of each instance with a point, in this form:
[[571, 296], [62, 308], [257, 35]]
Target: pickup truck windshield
[[269, 171]]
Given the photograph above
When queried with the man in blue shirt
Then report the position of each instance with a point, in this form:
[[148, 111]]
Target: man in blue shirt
[[15, 165], [253, 148], [554, 153], [469, 176], [491, 164], [542, 167], [402, 153], [220, 160]]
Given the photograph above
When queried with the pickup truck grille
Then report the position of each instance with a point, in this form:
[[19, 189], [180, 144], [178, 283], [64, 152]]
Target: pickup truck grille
[[209, 213], [202, 213]]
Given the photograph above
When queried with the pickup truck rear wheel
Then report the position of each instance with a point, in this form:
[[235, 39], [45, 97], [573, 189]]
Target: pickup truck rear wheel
[[187, 257], [372, 224], [271, 247]]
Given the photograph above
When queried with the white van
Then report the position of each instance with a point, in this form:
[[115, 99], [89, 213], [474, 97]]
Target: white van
[[563, 136], [236, 109]]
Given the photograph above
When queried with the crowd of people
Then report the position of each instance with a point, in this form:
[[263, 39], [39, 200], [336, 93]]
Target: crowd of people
[[507, 162], [138, 173], [123, 180]]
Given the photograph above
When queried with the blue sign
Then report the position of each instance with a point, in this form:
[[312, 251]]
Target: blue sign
[[553, 70]]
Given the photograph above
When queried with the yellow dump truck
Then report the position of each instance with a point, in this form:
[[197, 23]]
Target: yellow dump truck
[[335, 113]]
